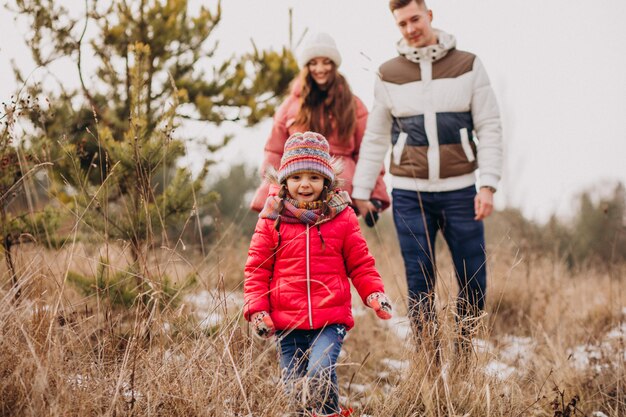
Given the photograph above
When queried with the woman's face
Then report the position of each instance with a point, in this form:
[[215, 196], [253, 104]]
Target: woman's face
[[321, 69], [305, 186]]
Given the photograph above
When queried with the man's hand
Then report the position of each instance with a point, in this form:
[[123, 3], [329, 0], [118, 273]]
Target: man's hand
[[263, 324], [381, 305], [483, 203]]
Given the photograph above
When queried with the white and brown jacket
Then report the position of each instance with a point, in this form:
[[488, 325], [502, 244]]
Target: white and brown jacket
[[440, 112]]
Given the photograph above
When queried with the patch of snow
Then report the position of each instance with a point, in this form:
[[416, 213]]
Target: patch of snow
[[170, 356], [617, 332], [582, 356], [343, 399], [482, 346], [127, 392], [401, 326], [208, 306], [395, 364], [359, 388], [500, 370], [517, 349], [209, 300], [211, 320], [35, 308], [383, 374], [78, 380], [598, 414]]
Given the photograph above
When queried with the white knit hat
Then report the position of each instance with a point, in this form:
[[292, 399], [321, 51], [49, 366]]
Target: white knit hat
[[319, 44]]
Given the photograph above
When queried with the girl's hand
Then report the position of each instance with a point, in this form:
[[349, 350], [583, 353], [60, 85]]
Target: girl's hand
[[381, 305], [263, 324]]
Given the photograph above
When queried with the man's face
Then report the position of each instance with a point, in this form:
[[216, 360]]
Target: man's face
[[414, 24]]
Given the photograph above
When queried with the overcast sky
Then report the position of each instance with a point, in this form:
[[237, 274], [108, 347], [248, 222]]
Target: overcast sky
[[556, 66]]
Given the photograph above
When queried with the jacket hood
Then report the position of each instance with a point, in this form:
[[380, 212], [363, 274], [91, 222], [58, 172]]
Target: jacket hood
[[445, 43]]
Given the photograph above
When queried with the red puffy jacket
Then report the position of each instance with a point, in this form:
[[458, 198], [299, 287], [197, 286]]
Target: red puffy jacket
[[304, 286], [347, 151]]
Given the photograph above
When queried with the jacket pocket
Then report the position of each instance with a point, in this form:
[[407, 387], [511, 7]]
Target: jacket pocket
[[465, 143]]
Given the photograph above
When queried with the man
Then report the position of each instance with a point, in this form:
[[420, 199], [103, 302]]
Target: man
[[435, 105]]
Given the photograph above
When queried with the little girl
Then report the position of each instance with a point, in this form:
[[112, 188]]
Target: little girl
[[306, 246]]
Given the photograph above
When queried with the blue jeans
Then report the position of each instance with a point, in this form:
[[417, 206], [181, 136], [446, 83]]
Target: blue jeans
[[417, 223], [312, 354]]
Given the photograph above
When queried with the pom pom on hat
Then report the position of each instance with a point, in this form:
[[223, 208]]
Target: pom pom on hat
[[306, 152], [319, 44]]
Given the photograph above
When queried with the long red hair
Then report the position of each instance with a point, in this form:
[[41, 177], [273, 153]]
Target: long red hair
[[327, 109]]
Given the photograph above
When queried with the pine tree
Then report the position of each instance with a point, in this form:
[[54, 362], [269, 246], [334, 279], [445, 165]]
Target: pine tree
[[114, 141]]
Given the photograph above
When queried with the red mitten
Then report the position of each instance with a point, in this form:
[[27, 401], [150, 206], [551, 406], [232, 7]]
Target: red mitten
[[263, 324], [379, 302]]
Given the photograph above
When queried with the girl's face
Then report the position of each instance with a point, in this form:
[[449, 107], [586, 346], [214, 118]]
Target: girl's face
[[321, 69], [305, 186]]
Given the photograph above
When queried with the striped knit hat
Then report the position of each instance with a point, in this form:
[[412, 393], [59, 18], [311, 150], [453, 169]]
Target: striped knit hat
[[306, 152]]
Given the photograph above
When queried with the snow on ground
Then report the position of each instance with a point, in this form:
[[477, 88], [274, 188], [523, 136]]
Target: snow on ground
[[209, 307], [82, 382], [495, 367], [584, 356], [512, 354], [395, 364], [360, 388], [400, 325], [604, 354], [499, 370], [482, 346], [78, 380], [618, 332], [516, 349], [128, 393]]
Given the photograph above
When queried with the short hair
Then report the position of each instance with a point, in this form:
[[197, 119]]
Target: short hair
[[398, 4]]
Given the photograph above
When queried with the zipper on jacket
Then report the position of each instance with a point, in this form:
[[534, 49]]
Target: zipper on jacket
[[308, 277]]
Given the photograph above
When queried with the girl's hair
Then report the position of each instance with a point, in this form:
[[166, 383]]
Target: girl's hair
[[282, 194], [323, 109]]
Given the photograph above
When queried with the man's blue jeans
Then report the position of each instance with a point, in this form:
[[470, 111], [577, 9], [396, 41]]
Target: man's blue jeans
[[418, 217], [313, 354]]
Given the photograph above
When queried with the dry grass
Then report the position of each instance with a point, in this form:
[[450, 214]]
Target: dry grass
[[552, 343]]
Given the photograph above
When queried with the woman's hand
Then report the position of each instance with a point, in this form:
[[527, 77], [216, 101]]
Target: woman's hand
[[369, 209]]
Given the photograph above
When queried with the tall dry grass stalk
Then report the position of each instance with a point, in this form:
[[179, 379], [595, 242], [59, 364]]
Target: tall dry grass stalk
[[551, 342]]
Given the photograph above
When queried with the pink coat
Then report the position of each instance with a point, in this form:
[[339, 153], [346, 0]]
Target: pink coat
[[298, 297], [348, 152]]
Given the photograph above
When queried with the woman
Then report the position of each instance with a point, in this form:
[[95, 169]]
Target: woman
[[321, 101]]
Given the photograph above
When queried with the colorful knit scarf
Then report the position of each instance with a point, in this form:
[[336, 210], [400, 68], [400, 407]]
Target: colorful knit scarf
[[303, 212]]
